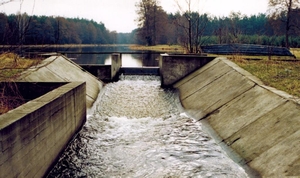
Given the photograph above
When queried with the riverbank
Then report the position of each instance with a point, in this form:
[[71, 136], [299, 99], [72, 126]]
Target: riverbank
[[11, 66], [160, 48], [279, 72], [226, 95], [62, 45]]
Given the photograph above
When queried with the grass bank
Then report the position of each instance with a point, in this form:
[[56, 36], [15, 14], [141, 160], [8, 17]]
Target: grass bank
[[296, 52], [160, 48], [282, 73], [11, 66], [279, 72]]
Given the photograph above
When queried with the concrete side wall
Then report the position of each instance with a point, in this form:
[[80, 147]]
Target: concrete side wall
[[102, 72], [175, 67], [61, 69], [116, 63], [34, 134], [261, 124], [106, 73]]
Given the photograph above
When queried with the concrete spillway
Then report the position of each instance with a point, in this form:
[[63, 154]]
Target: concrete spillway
[[138, 129], [260, 125]]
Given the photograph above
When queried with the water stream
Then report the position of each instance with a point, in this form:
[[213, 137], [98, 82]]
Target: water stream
[[136, 129]]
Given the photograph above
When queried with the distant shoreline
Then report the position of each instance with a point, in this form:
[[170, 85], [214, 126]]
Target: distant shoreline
[[63, 45], [162, 48]]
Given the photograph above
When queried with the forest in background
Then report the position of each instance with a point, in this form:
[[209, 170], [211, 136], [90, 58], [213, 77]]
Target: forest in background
[[162, 28]]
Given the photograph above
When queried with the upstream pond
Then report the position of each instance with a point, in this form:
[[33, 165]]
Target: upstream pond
[[138, 129]]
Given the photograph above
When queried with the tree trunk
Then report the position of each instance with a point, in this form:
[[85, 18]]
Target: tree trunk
[[190, 36], [287, 25]]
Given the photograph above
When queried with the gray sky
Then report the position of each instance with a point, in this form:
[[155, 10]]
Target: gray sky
[[120, 15]]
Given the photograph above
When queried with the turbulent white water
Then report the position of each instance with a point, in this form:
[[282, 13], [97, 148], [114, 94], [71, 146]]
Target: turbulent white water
[[136, 130]]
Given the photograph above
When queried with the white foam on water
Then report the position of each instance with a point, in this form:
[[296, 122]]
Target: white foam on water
[[135, 129]]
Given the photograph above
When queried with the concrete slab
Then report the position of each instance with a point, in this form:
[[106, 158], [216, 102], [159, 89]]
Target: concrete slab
[[256, 124], [175, 67], [46, 74], [201, 79], [61, 69], [242, 71], [40, 127], [196, 73], [242, 111], [216, 94], [282, 160], [266, 132]]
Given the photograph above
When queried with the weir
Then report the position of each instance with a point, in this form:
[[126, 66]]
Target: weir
[[257, 125], [138, 129]]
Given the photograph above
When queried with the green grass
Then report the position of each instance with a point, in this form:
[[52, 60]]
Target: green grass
[[11, 65], [296, 52], [281, 74]]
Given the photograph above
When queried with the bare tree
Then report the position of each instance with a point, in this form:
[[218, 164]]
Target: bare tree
[[283, 9], [10, 96], [234, 31], [151, 20], [193, 25]]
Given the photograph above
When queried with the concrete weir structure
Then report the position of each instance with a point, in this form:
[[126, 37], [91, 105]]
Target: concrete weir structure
[[259, 123], [33, 135], [61, 69], [175, 67], [106, 73]]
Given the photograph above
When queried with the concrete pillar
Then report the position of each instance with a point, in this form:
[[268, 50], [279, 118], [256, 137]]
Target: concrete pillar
[[116, 63], [175, 67]]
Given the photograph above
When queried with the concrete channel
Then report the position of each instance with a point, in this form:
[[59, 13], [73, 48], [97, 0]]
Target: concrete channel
[[257, 125]]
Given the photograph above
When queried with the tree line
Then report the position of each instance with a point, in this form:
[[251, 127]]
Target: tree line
[[22, 29], [279, 27], [155, 26]]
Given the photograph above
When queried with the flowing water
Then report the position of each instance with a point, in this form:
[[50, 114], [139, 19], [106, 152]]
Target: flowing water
[[138, 129]]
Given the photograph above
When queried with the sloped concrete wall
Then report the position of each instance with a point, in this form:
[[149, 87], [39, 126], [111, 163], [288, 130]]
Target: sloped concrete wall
[[61, 69], [260, 123], [34, 134]]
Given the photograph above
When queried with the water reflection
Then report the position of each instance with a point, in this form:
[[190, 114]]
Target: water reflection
[[135, 129], [90, 55], [131, 60], [148, 59]]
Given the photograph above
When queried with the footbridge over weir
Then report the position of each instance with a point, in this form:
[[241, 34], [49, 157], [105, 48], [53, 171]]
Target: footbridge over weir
[[259, 126]]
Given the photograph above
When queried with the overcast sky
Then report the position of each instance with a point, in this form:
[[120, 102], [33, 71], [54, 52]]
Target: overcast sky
[[120, 15]]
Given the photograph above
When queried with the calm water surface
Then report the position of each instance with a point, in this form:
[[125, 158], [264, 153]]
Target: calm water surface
[[148, 58], [137, 129]]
